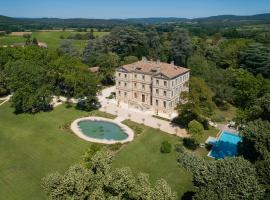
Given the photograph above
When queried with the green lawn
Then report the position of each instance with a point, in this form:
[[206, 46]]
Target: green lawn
[[223, 116], [143, 155], [52, 39], [32, 146]]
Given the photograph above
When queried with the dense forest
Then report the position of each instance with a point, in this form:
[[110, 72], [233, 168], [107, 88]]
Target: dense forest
[[229, 66]]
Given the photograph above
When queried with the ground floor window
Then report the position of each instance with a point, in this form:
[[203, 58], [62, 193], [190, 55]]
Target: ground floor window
[[164, 104], [156, 102]]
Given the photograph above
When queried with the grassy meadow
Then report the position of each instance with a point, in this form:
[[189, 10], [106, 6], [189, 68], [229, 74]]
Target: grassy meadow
[[51, 38]]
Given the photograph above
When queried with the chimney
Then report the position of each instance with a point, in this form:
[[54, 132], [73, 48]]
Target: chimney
[[172, 62]]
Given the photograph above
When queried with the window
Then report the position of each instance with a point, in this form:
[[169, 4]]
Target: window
[[170, 104], [125, 75], [143, 77], [135, 75], [119, 74], [157, 82], [165, 83], [119, 92], [125, 94], [164, 93], [172, 93], [157, 91], [125, 84], [143, 87], [156, 102], [119, 83], [143, 98], [172, 83], [164, 104], [135, 95], [135, 85]]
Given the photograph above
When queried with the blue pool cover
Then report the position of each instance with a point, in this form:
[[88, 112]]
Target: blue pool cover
[[225, 146]]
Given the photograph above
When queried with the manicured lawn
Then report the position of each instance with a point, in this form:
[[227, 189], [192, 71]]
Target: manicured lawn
[[52, 39], [32, 146], [143, 155]]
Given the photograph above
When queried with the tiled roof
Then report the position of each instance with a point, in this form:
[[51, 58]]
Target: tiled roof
[[155, 68]]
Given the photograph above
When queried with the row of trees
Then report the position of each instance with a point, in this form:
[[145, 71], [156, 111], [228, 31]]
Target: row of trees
[[34, 75]]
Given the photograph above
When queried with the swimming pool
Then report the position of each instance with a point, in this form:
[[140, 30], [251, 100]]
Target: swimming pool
[[225, 146]]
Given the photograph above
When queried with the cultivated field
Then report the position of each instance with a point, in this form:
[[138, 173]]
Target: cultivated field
[[51, 38]]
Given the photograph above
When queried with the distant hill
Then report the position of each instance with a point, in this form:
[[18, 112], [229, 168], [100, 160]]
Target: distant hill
[[9, 23], [259, 17]]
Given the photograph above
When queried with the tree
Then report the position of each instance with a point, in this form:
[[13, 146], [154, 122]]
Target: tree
[[231, 52], [153, 42], [233, 178], [256, 59], [195, 128], [32, 91], [246, 87], [129, 60], [101, 182], [260, 109], [255, 143], [93, 50], [66, 48], [181, 47], [263, 172], [35, 41], [108, 63], [127, 41], [163, 191], [197, 102]]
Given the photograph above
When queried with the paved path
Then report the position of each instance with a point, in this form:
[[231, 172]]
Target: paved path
[[123, 112], [5, 99]]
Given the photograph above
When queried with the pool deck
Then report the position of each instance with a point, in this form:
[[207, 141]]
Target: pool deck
[[76, 129]]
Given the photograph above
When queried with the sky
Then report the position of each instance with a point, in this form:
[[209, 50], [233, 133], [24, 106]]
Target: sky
[[131, 8]]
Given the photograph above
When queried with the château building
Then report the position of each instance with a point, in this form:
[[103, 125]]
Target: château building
[[151, 85]]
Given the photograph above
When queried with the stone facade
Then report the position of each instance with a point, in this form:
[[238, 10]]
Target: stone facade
[[149, 85]]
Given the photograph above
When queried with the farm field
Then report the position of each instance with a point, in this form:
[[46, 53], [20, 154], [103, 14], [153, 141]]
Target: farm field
[[51, 38], [31, 146]]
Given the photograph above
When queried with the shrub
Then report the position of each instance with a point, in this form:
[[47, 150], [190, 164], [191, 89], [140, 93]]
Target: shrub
[[179, 148], [195, 127], [166, 147], [138, 130], [86, 159], [190, 143], [115, 147]]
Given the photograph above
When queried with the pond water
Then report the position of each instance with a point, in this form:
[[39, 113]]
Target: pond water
[[102, 130]]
